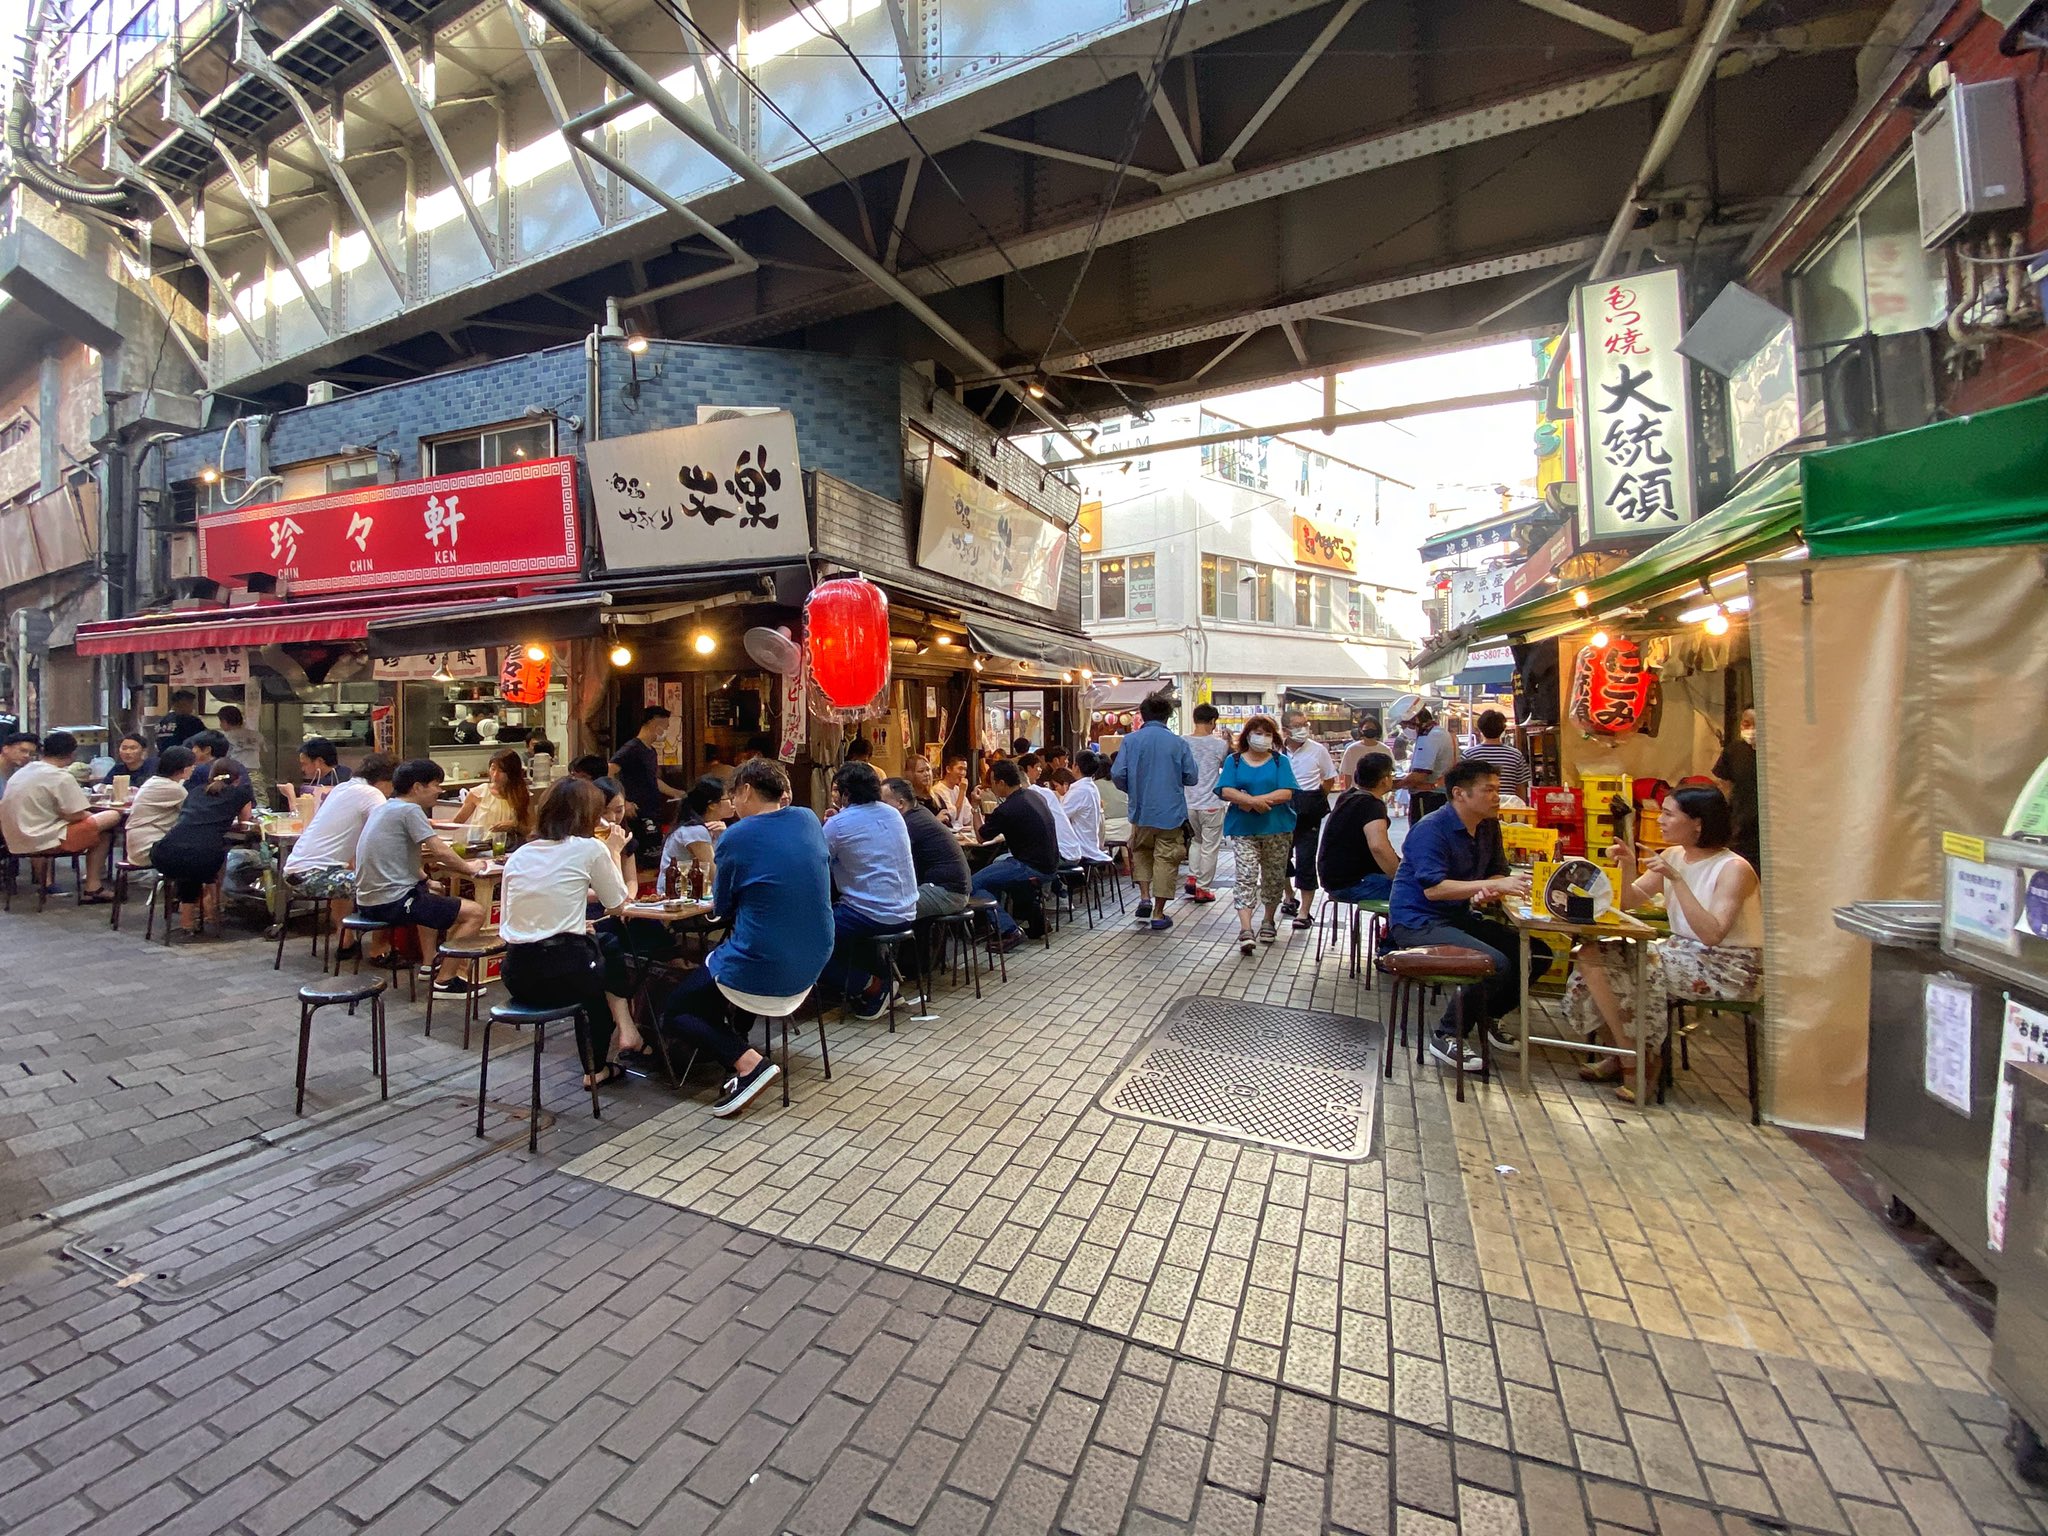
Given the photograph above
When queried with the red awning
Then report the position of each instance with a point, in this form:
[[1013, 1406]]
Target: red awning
[[281, 623]]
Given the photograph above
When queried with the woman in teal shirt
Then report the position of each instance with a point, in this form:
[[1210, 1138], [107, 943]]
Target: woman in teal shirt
[[1257, 786]]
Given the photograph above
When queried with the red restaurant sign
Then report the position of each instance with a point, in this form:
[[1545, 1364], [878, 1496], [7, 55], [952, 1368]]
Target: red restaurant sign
[[487, 525]]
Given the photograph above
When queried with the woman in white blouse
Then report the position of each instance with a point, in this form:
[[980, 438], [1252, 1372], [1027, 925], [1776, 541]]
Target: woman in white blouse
[[154, 809], [553, 959]]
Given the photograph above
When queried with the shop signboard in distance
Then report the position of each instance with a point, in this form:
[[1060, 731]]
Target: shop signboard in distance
[[709, 494], [511, 523], [975, 533], [1637, 448]]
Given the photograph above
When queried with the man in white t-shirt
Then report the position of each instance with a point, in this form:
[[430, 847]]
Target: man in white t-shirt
[[1205, 806], [47, 812], [323, 860], [1315, 775], [1074, 848]]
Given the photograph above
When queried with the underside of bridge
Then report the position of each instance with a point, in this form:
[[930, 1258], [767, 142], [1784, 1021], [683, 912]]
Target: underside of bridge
[[1121, 204]]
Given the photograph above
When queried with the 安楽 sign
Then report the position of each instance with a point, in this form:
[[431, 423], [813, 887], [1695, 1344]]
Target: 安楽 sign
[[701, 495]]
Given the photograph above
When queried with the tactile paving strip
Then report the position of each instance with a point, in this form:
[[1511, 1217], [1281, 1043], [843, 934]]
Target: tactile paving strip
[[1279, 1077]]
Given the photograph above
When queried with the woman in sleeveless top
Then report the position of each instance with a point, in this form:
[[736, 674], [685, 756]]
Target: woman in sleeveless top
[[1717, 933]]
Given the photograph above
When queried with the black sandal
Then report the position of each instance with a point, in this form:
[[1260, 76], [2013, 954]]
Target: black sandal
[[612, 1073], [99, 898], [639, 1062]]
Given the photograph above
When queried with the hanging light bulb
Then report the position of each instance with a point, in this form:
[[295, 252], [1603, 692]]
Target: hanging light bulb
[[704, 642], [1087, 676], [1600, 639], [622, 655], [1717, 623], [536, 653], [441, 672], [977, 663], [1066, 677], [208, 475], [1582, 597]]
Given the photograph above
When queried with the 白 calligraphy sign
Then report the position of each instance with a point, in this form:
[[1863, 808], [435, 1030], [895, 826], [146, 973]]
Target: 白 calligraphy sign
[[1636, 432], [505, 524], [973, 531], [700, 495]]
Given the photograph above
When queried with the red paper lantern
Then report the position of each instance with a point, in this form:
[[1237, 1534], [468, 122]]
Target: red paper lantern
[[846, 628], [1613, 688], [522, 680]]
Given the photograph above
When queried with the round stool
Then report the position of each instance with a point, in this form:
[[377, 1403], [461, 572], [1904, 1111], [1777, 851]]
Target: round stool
[[123, 873], [294, 900], [982, 909], [347, 990], [362, 927], [889, 946], [473, 956], [520, 1015], [952, 933], [1417, 970]]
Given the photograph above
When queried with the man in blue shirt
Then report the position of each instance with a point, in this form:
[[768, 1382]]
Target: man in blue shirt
[[773, 892], [1451, 858], [1156, 769], [877, 881]]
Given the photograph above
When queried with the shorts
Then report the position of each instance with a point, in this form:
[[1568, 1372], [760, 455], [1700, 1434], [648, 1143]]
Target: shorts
[[326, 882], [422, 906], [79, 836]]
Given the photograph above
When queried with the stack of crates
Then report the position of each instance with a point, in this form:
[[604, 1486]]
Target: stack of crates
[[1559, 808], [1601, 792]]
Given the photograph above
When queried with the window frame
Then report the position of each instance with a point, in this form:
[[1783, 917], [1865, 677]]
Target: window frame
[[490, 453]]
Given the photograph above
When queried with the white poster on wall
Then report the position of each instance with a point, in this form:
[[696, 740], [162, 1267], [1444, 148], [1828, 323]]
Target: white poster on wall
[[209, 668], [972, 531], [1949, 1008], [1637, 444], [721, 491], [2025, 1039]]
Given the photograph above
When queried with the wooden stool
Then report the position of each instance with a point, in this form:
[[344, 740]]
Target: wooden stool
[[1675, 1009], [520, 1015], [348, 990], [362, 927], [474, 957], [1417, 970]]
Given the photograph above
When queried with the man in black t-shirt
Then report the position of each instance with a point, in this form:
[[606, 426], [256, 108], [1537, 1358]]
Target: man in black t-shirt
[[943, 878], [1022, 823], [181, 724], [638, 771], [1357, 861]]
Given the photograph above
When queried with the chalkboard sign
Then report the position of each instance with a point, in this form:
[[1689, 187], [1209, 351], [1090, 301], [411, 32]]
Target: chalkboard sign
[[719, 709]]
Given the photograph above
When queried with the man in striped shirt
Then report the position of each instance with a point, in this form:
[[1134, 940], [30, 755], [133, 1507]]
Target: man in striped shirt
[[1514, 768]]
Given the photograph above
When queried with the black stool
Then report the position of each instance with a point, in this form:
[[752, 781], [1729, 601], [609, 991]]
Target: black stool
[[519, 1015], [1678, 1034], [472, 956], [952, 933], [123, 872], [1070, 891], [294, 899], [888, 946], [1416, 971], [48, 858], [349, 990], [983, 910], [362, 927]]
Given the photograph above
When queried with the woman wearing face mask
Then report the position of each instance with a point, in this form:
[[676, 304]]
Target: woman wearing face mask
[[1315, 775], [1735, 771], [1258, 785]]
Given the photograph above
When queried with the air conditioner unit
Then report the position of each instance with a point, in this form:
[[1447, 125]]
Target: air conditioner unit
[[1966, 157], [322, 391]]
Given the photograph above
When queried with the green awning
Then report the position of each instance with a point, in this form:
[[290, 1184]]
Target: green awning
[[1977, 480], [1758, 521]]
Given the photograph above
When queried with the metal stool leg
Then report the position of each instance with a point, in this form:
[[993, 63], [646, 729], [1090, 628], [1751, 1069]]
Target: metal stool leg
[[540, 1035], [383, 1047], [483, 1075], [305, 1048]]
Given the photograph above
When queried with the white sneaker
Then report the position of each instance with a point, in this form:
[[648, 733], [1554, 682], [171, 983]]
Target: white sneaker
[[1455, 1053]]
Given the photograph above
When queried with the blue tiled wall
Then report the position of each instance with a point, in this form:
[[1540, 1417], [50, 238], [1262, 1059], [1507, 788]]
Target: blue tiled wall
[[846, 408], [396, 416]]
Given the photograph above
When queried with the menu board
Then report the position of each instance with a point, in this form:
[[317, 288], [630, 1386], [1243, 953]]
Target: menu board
[[2026, 1039], [1950, 1007], [1983, 903]]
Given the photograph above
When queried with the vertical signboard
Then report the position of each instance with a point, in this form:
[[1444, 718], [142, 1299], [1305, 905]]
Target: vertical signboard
[[1637, 437]]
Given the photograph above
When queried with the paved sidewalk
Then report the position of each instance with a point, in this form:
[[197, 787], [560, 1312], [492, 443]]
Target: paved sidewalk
[[944, 1291]]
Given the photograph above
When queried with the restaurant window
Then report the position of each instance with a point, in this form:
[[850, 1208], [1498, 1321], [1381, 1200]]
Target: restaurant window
[[15, 431], [1224, 698], [1304, 603], [1874, 278], [351, 474], [1144, 601], [492, 448], [1087, 591], [1320, 598], [1112, 589]]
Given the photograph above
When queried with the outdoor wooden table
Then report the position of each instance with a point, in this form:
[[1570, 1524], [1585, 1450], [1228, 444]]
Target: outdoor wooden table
[[1616, 925]]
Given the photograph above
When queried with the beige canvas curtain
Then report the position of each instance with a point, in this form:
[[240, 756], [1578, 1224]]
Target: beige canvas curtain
[[1898, 696]]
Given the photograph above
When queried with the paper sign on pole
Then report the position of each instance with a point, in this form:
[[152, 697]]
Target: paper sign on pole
[[793, 719]]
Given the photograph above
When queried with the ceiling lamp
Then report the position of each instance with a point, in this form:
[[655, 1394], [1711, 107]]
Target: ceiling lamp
[[1582, 597], [1717, 623], [1600, 640], [208, 475], [977, 664], [703, 642], [621, 654], [536, 653], [636, 344]]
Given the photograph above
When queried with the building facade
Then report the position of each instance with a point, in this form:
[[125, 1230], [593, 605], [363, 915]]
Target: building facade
[[1257, 574]]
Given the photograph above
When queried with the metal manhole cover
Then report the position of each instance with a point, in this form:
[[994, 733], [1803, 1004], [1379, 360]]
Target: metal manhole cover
[[1281, 1077]]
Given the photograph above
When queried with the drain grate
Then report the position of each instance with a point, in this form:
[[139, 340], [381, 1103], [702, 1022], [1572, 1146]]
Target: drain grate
[[1280, 1077]]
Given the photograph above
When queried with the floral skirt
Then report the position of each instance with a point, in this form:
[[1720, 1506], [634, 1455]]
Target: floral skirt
[[1678, 967], [331, 882]]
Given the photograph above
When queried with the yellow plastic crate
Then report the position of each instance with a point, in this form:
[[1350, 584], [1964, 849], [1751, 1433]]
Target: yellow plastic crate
[[1518, 816], [1599, 790]]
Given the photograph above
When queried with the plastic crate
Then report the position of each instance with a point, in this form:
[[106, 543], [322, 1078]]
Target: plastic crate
[[1555, 805], [1518, 816], [1602, 789]]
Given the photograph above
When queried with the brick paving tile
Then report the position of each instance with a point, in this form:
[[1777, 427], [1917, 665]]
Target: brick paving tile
[[644, 1328]]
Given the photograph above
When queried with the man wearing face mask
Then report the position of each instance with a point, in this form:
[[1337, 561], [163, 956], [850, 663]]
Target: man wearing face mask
[[1735, 771], [1315, 775], [1428, 761]]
